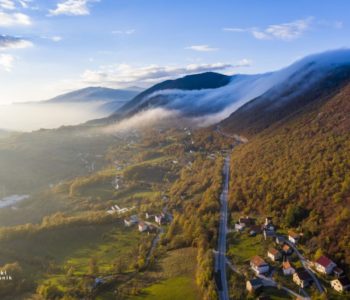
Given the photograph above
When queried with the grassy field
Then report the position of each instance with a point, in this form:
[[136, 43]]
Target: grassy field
[[176, 278], [47, 256], [243, 247], [276, 294], [170, 289]]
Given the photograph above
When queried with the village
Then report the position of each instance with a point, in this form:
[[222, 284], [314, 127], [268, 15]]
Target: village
[[283, 265], [147, 226]]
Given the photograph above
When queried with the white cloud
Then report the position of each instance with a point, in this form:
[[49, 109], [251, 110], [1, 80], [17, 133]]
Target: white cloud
[[54, 38], [28, 4], [202, 48], [243, 63], [285, 31], [125, 75], [234, 29], [10, 42], [124, 32], [6, 62], [14, 19], [72, 8], [289, 31], [7, 4]]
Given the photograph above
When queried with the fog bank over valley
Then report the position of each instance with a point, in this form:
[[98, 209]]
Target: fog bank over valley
[[29, 117]]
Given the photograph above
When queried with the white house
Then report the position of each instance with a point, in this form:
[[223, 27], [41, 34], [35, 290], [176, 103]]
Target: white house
[[254, 284], [324, 265], [274, 254], [134, 219], [293, 237], [287, 268], [302, 278], [258, 265], [279, 240], [143, 227], [160, 219], [341, 284], [239, 226]]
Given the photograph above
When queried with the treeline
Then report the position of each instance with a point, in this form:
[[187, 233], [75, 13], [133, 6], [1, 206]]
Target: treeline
[[298, 173], [195, 198], [76, 186], [57, 220]]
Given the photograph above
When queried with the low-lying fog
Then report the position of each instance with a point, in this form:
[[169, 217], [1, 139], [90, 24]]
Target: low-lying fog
[[29, 117]]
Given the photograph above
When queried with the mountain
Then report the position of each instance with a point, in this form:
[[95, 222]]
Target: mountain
[[208, 80], [312, 79], [111, 99], [295, 166], [96, 94], [213, 97]]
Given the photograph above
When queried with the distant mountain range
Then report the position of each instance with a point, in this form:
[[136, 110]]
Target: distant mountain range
[[216, 96], [111, 99], [242, 103], [148, 98]]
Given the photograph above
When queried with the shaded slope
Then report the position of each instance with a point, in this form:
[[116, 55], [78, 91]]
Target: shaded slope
[[303, 87], [298, 170]]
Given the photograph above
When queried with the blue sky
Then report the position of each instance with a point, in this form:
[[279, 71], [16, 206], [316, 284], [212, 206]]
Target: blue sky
[[53, 46]]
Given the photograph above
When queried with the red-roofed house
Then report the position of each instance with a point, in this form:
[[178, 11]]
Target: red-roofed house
[[325, 265], [274, 254], [293, 237], [258, 265], [287, 268]]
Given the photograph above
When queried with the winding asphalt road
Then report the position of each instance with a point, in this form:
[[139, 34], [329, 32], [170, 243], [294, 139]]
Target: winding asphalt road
[[305, 264], [220, 257]]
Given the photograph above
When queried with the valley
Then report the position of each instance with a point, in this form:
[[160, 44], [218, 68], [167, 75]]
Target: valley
[[134, 205]]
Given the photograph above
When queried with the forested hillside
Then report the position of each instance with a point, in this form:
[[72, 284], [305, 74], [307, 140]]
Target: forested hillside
[[308, 84], [298, 171]]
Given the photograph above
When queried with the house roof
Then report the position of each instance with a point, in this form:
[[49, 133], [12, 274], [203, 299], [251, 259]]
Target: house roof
[[338, 270], [247, 220], [324, 261], [255, 228], [286, 265], [286, 247], [303, 275], [293, 234], [255, 282], [257, 261], [273, 251]]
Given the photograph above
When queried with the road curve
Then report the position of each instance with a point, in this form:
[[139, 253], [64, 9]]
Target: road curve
[[304, 262], [220, 257]]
